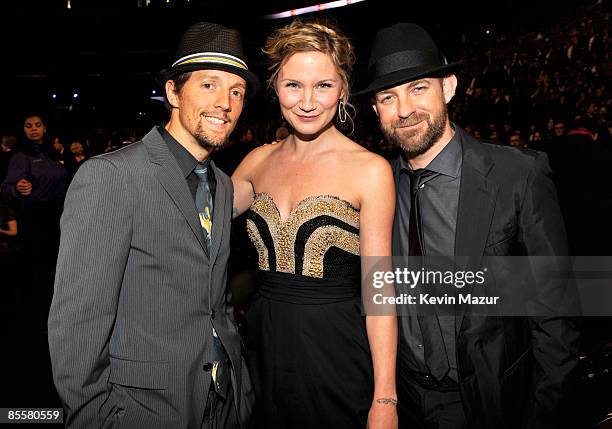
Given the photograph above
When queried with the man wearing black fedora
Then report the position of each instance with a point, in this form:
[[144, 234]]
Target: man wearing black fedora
[[458, 197], [140, 330]]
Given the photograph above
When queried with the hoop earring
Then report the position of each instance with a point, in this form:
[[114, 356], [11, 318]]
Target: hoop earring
[[342, 113]]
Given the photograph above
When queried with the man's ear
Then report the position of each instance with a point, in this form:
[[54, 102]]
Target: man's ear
[[449, 85], [171, 94], [375, 108]]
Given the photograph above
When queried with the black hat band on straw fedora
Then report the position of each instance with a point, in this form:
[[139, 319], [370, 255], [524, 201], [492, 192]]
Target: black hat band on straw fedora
[[211, 57], [210, 46]]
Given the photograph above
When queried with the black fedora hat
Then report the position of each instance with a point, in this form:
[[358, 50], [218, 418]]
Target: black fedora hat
[[402, 53], [206, 46]]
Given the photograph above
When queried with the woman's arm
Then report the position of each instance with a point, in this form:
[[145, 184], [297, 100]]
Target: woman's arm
[[377, 198], [243, 184]]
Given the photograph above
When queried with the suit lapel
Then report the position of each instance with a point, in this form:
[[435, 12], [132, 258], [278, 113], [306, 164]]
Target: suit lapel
[[474, 214], [218, 212], [170, 177], [477, 196]]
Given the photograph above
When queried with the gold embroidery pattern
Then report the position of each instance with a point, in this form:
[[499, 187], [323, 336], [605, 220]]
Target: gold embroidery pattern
[[284, 233], [262, 250], [269, 214], [320, 241]]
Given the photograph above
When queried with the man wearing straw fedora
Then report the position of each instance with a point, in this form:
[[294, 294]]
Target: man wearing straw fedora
[[140, 330], [458, 197]]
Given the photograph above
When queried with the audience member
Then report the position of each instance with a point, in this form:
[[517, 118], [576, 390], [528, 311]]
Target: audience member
[[35, 186], [78, 157], [7, 146]]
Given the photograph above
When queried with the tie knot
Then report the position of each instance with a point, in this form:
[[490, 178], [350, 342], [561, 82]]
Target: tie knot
[[421, 172], [201, 172], [419, 176]]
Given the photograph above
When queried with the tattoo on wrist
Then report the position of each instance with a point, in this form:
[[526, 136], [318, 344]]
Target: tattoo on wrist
[[387, 401]]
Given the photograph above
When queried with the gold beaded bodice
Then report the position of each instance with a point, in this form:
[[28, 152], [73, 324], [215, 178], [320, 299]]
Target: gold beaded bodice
[[320, 238]]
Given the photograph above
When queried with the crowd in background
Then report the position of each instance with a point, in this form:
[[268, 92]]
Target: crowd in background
[[547, 89]]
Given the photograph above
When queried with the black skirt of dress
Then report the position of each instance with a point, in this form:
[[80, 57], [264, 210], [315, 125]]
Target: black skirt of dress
[[313, 356]]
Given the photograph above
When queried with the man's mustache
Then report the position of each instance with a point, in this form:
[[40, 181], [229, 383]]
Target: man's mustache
[[413, 119]]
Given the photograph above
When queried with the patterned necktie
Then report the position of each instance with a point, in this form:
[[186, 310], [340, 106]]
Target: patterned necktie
[[433, 343], [204, 203]]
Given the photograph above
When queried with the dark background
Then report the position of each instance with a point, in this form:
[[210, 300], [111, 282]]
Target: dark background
[[108, 51]]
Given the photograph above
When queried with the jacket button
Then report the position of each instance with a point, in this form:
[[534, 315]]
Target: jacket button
[[207, 366], [212, 314]]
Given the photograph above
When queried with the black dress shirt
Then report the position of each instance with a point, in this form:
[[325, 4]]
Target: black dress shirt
[[439, 200], [187, 163]]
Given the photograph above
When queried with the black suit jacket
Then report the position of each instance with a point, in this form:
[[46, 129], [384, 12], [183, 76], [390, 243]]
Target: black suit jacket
[[514, 372], [137, 295]]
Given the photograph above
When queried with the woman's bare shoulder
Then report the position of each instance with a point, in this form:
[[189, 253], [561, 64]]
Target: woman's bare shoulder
[[364, 158], [261, 153]]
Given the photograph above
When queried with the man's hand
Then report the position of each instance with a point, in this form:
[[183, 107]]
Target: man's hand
[[24, 187], [383, 414]]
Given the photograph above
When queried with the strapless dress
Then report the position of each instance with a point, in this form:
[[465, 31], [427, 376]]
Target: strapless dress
[[313, 355]]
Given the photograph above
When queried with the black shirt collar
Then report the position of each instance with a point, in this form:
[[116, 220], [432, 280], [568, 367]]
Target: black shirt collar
[[185, 160]]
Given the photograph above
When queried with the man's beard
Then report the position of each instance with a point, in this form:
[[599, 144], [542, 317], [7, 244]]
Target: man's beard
[[416, 142], [206, 141]]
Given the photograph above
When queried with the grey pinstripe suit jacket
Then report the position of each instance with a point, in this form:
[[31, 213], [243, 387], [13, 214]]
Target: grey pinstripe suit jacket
[[137, 295]]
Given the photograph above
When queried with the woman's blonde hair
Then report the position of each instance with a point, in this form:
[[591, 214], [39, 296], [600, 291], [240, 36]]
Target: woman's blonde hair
[[301, 36]]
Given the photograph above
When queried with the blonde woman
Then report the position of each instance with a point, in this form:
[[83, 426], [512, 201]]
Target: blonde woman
[[318, 203]]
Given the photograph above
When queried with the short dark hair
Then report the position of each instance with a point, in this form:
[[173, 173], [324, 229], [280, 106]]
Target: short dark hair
[[32, 114], [180, 80]]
